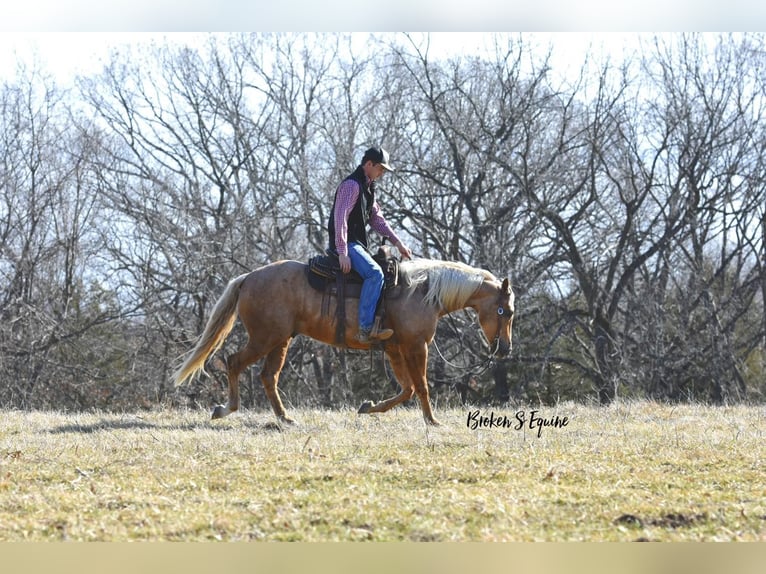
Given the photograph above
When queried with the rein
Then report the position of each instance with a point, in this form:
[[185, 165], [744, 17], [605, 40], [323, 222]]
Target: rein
[[475, 370]]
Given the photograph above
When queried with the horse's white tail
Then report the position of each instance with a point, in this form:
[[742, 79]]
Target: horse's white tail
[[217, 329]]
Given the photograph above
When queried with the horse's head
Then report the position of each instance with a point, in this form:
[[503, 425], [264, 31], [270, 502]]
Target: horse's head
[[496, 309]]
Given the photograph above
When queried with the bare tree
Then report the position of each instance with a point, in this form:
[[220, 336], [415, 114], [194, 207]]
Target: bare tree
[[54, 300], [626, 203], [655, 181], [712, 277]]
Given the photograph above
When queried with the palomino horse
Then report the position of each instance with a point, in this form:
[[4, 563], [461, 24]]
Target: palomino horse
[[275, 303]]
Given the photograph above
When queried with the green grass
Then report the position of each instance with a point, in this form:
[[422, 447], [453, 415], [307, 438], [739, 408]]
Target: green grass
[[626, 472]]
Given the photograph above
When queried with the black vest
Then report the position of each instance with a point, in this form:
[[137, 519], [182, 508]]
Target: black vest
[[360, 214]]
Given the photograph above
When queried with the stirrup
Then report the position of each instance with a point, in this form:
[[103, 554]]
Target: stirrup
[[363, 335]]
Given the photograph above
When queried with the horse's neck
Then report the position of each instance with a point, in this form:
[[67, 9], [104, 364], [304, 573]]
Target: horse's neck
[[478, 296], [469, 304]]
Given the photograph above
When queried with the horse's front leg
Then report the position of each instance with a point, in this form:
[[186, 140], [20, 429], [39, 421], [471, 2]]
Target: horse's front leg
[[409, 369], [417, 361], [396, 360]]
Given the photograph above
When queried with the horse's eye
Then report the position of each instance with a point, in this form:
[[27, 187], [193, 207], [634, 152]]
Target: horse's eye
[[500, 311]]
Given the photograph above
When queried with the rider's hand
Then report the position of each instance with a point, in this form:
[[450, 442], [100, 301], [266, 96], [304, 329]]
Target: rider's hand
[[404, 250], [345, 263]]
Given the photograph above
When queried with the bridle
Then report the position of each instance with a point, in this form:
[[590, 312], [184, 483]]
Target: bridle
[[485, 364], [494, 347]]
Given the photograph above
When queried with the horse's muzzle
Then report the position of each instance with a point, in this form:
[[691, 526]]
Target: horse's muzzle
[[500, 349]]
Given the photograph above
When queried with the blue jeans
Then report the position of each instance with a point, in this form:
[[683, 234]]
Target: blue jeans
[[363, 263]]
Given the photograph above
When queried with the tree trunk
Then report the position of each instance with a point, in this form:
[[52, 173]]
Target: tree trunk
[[604, 344]]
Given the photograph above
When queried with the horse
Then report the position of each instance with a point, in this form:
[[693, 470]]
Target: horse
[[275, 303]]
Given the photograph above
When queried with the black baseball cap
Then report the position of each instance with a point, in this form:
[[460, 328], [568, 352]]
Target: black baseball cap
[[378, 155]]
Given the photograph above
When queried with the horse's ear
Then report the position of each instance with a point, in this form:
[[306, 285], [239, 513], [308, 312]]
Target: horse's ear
[[506, 288]]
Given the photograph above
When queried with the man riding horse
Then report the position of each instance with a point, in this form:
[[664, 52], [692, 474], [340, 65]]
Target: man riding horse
[[276, 302], [354, 207]]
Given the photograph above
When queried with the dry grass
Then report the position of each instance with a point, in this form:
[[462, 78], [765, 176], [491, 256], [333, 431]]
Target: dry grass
[[626, 472]]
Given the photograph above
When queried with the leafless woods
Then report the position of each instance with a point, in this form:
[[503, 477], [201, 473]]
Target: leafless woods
[[625, 201]]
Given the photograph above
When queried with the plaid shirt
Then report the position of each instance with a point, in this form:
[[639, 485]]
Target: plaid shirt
[[347, 196]]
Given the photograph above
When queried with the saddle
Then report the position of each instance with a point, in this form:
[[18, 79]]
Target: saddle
[[325, 275]]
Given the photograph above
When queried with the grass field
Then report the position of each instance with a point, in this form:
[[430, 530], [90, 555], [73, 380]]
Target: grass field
[[631, 471]]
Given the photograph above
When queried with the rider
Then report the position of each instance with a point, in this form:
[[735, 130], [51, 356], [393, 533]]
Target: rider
[[353, 208]]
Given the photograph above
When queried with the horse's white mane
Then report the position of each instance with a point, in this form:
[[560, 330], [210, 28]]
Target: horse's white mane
[[450, 284]]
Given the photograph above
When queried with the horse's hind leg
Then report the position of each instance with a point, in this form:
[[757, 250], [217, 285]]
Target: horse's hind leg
[[272, 366], [236, 363]]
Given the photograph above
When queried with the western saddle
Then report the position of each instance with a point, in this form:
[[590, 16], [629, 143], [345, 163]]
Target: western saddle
[[324, 274]]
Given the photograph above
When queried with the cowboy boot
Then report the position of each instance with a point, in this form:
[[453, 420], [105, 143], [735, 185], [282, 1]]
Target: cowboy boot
[[378, 333], [374, 333]]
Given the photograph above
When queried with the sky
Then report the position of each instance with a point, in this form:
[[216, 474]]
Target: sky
[[67, 54], [75, 36], [389, 15]]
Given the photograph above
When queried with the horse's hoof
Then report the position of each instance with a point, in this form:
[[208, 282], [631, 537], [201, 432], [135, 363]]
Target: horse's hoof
[[219, 412], [286, 420], [433, 423], [365, 408]]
